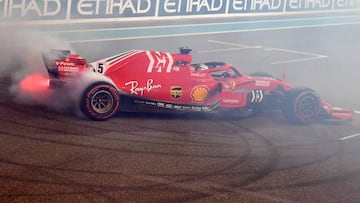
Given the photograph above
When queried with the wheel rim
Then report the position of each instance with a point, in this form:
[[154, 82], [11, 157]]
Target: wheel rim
[[307, 107], [102, 102]]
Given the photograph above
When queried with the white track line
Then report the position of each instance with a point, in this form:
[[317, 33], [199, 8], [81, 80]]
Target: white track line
[[313, 55], [296, 52], [298, 60], [230, 43], [350, 136]]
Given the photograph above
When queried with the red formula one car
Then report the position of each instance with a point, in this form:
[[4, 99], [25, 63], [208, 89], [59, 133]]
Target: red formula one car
[[142, 80]]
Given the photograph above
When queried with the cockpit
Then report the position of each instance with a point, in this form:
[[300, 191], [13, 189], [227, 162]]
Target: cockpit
[[218, 70]]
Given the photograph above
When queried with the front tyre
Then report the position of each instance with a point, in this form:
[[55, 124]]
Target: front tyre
[[100, 101], [301, 106]]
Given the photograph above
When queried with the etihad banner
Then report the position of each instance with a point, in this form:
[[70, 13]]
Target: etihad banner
[[74, 10]]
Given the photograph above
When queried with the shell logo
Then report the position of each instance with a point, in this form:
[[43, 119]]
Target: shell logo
[[200, 93]]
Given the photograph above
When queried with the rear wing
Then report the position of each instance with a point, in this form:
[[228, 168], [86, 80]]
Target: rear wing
[[62, 62], [50, 58]]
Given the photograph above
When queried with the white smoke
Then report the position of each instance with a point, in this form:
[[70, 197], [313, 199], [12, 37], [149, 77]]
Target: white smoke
[[20, 56], [20, 51]]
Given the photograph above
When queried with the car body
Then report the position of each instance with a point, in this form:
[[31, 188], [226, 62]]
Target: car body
[[151, 80]]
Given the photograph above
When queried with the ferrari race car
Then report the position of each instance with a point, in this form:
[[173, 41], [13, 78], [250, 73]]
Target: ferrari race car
[[139, 80]]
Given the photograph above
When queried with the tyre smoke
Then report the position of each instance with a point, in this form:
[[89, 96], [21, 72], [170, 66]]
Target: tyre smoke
[[20, 51], [20, 56]]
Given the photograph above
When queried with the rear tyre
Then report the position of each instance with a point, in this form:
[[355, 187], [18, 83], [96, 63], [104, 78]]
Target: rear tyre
[[100, 101], [301, 106]]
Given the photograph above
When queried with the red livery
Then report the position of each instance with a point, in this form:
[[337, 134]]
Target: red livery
[[141, 80]]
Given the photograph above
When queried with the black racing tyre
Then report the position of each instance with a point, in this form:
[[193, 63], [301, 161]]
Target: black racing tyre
[[301, 106], [262, 74], [100, 101]]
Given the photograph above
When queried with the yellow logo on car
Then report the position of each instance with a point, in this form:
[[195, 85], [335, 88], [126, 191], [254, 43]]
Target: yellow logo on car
[[176, 92], [233, 84], [199, 94]]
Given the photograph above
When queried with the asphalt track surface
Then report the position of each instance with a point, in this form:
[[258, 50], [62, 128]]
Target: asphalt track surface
[[49, 156]]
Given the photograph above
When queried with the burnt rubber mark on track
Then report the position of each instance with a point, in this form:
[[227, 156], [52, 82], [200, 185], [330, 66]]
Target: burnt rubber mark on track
[[101, 148], [140, 155], [52, 166], [57, 137], [244, 137], [99, 129], [271, 156]]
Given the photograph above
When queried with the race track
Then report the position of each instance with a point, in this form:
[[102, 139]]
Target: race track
[[51, 156]]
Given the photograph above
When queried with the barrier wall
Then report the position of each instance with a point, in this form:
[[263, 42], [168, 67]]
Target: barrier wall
[[111, 10]]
